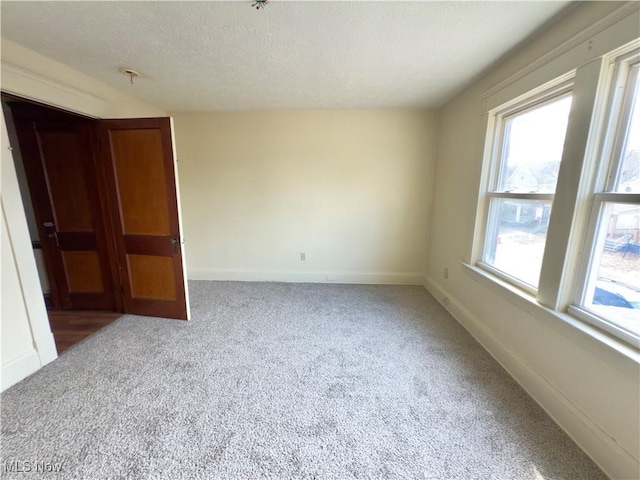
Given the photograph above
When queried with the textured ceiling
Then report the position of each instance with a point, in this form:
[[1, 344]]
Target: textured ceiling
[[290, 55]]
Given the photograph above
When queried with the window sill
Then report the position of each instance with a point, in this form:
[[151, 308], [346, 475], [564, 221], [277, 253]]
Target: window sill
[[599, 342], [626, 334]]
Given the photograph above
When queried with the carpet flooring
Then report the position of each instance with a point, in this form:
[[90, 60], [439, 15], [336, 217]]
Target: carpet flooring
[[284, 381]]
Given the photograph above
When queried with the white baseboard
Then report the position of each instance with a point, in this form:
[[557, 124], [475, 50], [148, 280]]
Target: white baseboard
[[46, 346], [384, 278], [19, 368], [614, 460]]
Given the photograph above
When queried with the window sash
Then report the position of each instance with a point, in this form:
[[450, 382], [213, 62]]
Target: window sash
[[492, 224], [594, 246], [613, 144], [551, 93]]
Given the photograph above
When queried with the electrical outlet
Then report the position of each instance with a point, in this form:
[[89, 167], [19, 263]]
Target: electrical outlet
[[303, 256], [331, 278], [446, 273]]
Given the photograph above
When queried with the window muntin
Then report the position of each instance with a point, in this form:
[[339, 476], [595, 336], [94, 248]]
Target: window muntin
[[527, 154]]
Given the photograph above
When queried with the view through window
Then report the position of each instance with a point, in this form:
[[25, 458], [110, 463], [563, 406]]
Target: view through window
[[594, 276], [531, 150], [613, 287]]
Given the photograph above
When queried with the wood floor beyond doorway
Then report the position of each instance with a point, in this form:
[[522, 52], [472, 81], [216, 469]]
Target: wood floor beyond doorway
[[69, 327]]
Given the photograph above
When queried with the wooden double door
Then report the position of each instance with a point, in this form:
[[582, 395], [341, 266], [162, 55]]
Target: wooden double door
[[105, 202]]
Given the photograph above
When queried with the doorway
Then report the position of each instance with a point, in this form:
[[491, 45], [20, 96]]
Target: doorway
[[55, 149], [57, 179], [102, 240]]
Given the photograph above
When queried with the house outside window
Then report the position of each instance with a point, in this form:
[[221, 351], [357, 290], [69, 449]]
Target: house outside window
[[526, 155]]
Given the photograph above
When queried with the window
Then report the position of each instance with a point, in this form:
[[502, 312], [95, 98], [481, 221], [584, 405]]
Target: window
[[609, 291], [576, 248], [526, 154]]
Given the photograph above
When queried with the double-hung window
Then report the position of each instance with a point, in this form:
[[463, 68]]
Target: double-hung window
[[526, 151], [608, 293], [589, 264]]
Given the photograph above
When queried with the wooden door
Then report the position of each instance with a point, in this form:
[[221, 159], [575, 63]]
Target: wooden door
[[59, 164], [139, 166]]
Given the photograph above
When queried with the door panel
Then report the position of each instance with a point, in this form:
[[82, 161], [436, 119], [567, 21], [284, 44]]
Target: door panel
[[83, 271], [62, 157], [59, 163], [139, 164], [144, 206], [152, 277]]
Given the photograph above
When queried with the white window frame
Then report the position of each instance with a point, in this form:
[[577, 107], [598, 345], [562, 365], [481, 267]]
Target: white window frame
[[625, 71], [540, 96], [578, 198]]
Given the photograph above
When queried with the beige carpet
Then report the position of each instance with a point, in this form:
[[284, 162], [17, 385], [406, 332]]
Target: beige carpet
[[284, 381]]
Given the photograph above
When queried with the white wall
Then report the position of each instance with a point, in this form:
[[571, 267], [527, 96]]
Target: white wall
[[351, 189], [27, 343], [16, 346], [16, 336], [588, 383]]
